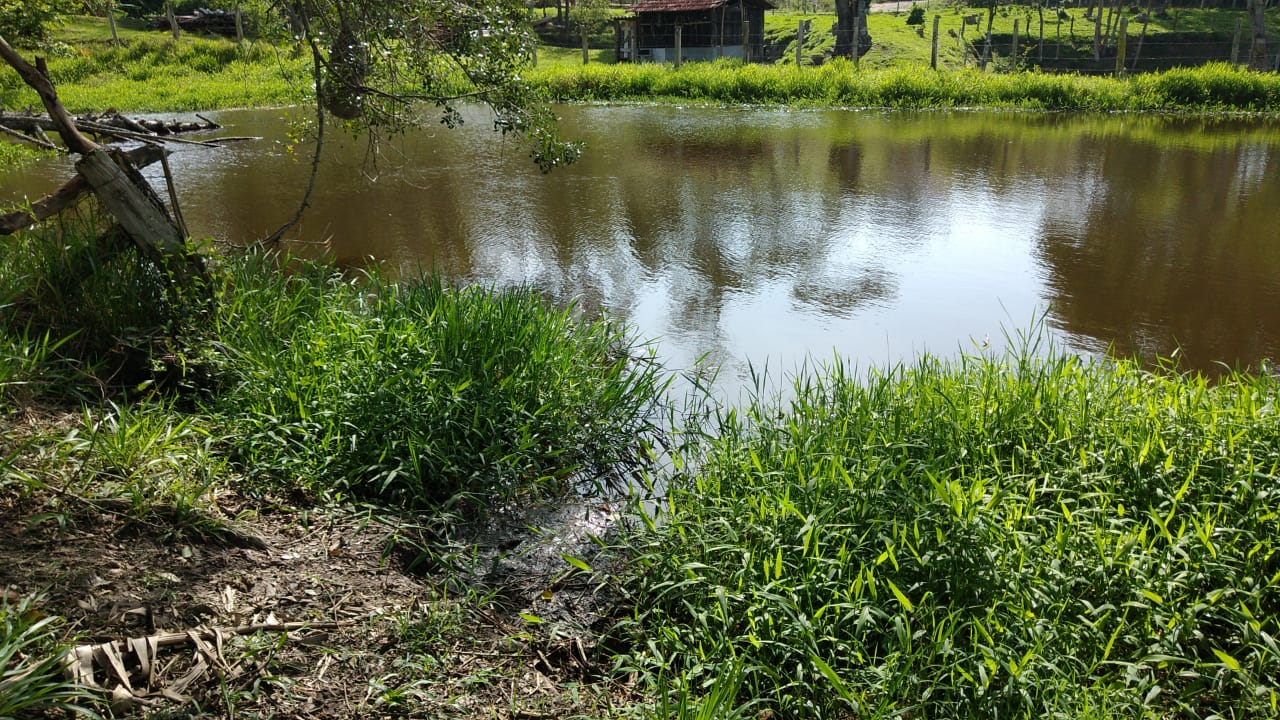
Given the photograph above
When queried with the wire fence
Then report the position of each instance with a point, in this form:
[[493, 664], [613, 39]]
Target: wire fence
[[1104, 43]]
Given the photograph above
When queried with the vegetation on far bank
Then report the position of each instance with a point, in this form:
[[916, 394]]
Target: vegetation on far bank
[[151, 72], [1211, 88]]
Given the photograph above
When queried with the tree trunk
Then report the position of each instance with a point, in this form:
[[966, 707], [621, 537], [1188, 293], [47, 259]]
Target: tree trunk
[[67, 195], [1258, 50], [844, 27]]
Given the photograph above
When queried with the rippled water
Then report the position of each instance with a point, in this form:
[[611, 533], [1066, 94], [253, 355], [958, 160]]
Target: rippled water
[[768, 237]]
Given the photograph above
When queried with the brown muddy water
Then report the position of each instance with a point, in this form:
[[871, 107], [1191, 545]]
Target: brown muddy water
[[767, 237]]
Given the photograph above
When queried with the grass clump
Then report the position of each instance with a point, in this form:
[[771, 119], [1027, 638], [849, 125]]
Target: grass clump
[[1033, 537], [418, 392], [412, 392], [111, 315], [31, 658]]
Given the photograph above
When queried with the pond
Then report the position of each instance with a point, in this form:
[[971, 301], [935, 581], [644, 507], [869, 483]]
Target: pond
[[759, 237]]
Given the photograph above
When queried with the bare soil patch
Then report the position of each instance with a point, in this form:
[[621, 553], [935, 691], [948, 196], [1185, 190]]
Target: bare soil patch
[[484, 620]]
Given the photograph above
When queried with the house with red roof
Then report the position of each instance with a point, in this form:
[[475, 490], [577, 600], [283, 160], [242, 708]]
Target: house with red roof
[[685, 30]]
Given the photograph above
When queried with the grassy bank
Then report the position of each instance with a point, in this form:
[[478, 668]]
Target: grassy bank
[[339, 428], [415, 393], [150, 72], [1032, 536]]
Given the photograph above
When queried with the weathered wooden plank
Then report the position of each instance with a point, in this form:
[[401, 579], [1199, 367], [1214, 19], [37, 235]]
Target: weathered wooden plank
[[67, 195]]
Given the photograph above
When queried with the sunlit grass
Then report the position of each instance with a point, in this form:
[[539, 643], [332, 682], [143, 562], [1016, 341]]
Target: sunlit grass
[[1209, 88], [411, 393], [1030, 536], [151, 72], [419, 392]]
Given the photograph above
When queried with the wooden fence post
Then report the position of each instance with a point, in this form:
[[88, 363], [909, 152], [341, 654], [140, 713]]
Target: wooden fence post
[[111, 21], [933, 55], [1013, 46], [857, 36], [1097, 35], [1040, 48], [1235, 44], [173, 21], [1121, 41], [801, 31]]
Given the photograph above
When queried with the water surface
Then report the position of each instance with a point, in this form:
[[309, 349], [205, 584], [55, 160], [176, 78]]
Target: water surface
[[767, 237]]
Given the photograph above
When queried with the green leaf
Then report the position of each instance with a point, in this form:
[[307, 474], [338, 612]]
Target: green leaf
[[901, 598], [577, 563], [1227, 660], [840, 688]]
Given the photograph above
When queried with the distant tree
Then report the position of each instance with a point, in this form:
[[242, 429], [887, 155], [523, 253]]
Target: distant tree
[[31, 21], [592, 16]]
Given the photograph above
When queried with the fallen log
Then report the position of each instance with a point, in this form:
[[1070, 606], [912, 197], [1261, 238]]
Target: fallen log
[[67, 195], [204, 20], [110, 124]]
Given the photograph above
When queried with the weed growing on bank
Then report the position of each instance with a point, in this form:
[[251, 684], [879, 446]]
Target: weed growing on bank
[[1031, 536]]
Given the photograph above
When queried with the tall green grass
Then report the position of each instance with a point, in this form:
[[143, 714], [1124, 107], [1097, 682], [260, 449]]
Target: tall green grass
[[1034, 536], [1216, 87], [83, 312], [151, 72], [418, 392], [413, 392]]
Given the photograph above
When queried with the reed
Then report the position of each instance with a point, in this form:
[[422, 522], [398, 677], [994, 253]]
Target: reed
[[1031, 536]]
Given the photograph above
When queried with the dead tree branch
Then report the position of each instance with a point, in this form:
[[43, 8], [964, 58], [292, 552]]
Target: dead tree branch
[[36, 77]]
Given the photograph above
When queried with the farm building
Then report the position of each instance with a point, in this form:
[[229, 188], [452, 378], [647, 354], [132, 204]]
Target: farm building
[[702, 29]]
